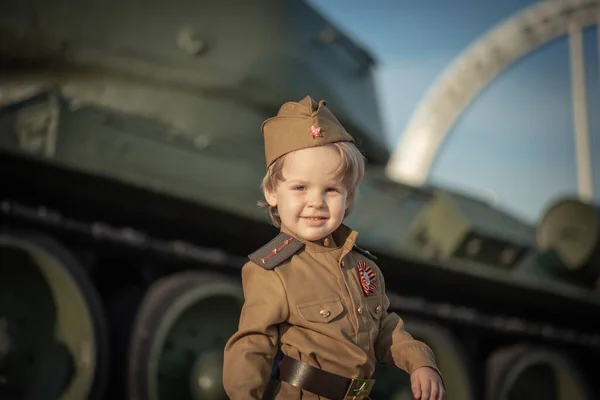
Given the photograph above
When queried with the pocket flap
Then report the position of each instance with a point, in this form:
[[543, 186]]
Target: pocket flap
[[321, 310]]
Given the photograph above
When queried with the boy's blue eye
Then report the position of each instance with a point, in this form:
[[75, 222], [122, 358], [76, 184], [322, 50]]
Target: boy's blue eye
[[298, 187]]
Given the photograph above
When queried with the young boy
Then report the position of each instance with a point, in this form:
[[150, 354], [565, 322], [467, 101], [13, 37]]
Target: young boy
[[315, 318]]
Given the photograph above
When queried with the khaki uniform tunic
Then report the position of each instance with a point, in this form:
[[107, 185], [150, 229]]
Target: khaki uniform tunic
[[313, 306]]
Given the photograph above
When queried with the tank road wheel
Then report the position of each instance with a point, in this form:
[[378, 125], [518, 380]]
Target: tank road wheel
[[521, 372], [394, 384], [178, 338], [53, 335]]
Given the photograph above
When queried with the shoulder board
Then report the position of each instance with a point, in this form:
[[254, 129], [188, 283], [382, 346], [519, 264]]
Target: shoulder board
[[365, 253], [278, 250]]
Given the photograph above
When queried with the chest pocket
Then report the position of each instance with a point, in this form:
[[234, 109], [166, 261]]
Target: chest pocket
[[376, 311], [321, 311], [375, 308]]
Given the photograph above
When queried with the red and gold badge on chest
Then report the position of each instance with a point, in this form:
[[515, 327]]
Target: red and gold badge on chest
[[367, 278]]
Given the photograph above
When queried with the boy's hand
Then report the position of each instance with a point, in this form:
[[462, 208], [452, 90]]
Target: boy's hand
[[426, 384]]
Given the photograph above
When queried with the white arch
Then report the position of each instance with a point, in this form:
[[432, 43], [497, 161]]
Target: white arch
[[474, 69]]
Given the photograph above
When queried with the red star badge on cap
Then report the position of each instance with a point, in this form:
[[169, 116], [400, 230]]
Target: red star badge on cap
[[315, 132]]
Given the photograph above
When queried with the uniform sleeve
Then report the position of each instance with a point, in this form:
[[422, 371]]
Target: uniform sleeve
[[249, 353], [395, 346]]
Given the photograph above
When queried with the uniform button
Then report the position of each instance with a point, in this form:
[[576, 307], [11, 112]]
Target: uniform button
[[326, 242], [360, 310], [378, 309], [342, 263], [325, 313]]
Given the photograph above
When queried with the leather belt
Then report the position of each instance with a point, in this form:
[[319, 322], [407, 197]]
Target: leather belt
[[323, 383]]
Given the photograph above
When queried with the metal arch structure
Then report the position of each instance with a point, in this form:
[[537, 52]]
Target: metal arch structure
[[476, 67]]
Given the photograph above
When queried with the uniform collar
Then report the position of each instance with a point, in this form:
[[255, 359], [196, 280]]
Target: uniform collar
[[342, 237]]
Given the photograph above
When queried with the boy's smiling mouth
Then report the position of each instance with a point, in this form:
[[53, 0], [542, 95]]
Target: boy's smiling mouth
[[315, 220]]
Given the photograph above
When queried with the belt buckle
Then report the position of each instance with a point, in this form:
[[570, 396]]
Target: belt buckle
[[359, 389]]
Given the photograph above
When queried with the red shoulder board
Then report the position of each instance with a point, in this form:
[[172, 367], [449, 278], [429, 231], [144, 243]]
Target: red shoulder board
[[365, 253], [278, 250]]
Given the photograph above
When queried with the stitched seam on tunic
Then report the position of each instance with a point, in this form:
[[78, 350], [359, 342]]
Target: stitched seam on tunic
[[347, 290], [343, 287], [287, 300], [320, 264]]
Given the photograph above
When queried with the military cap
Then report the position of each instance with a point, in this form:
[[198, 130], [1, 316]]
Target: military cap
[[299, 125]]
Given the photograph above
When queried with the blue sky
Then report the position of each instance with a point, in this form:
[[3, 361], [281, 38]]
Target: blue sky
[[515, 143]]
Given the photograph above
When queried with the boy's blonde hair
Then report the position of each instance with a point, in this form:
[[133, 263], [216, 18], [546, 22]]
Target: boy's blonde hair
[[350, 172]]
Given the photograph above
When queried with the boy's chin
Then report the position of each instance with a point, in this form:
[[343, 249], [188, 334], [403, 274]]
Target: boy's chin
[[313, 237], [315, 234]]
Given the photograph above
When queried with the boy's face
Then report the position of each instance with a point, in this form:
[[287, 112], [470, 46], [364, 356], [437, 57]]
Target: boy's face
[[311, 203]]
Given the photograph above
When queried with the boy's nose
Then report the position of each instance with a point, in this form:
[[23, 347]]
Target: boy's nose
[[316, 200]]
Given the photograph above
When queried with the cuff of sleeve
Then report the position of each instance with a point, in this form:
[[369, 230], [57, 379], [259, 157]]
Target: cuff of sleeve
[[425, 363], [423, 358]]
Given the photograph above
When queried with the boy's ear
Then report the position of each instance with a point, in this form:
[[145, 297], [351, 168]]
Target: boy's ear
[[270, 197]]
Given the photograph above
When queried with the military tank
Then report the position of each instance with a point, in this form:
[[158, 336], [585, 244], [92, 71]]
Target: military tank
[[130, 158]]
